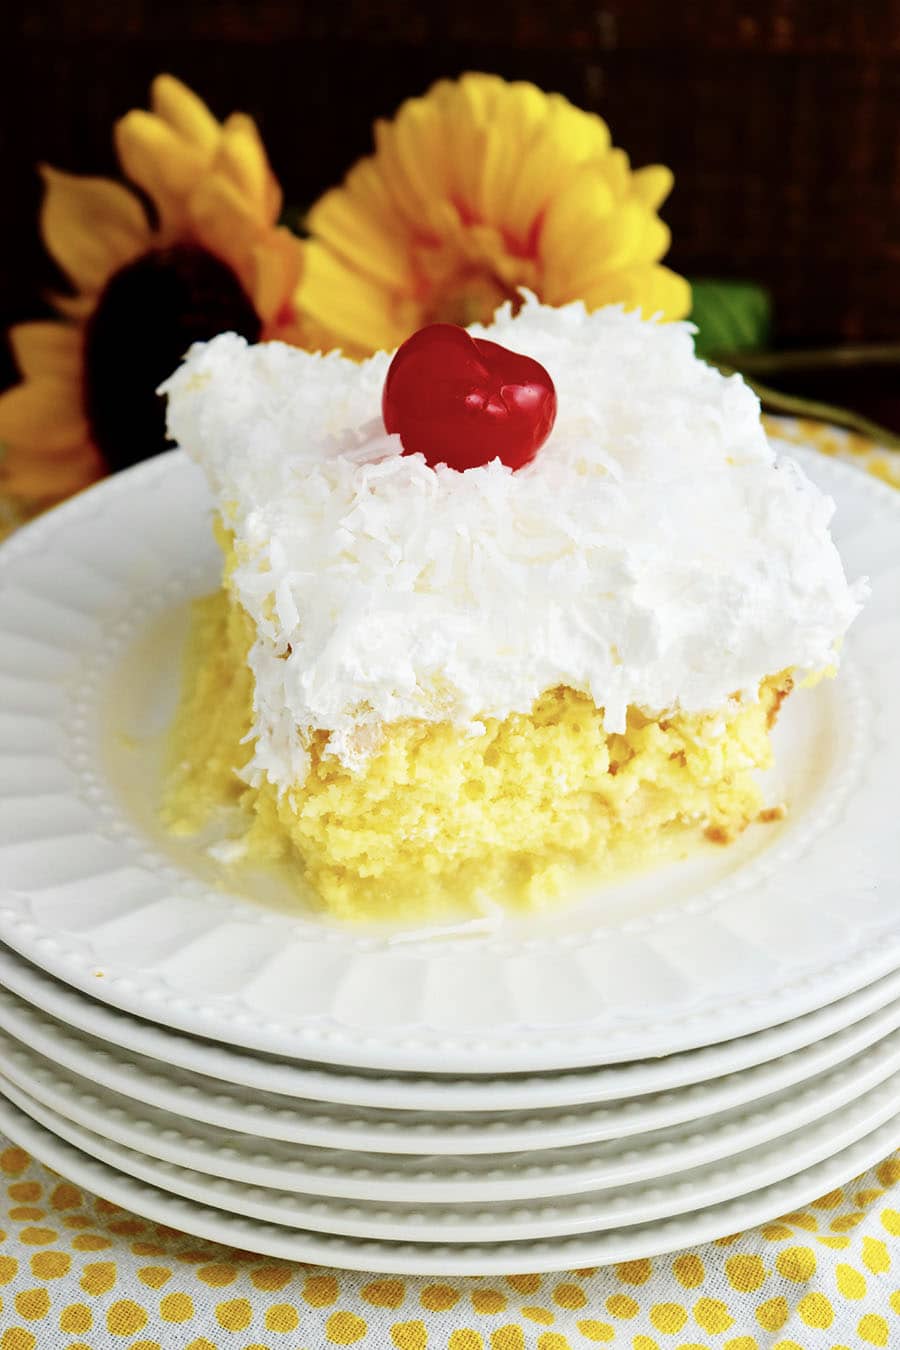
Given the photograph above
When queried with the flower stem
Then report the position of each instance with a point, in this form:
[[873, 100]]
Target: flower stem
[[847, 356]]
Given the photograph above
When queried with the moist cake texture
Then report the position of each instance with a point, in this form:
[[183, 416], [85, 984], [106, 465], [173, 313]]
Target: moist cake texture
[[422, 684]]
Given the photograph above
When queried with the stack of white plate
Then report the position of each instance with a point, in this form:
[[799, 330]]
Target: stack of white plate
[[676, 1057]]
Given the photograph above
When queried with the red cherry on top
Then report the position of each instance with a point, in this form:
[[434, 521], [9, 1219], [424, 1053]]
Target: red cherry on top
[[463, 401]]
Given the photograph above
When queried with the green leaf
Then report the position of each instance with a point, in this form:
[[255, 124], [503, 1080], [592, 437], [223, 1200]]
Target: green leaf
[[731, 316]]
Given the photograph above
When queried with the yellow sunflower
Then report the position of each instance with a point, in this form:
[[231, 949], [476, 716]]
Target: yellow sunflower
[[475, 190], [210, 257]]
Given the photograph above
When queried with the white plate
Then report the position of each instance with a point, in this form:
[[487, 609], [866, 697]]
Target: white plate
[[78, 1094], [419, 1093], [37, 1045], [439, 1179], [788, 919], [561, 1216], [408, 1258]]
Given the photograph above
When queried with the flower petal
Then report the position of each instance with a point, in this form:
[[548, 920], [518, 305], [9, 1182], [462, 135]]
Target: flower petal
[[243, 158], [507, 152], [671, 294], [400, 162], [366, 185], [567, 139], [91, 226], [652, 185], [460, 138], [582, 134], [359, 236], [277, 265], [644, 239], [579, 211], [652, 290], [185, 112], [224, 222], [360, 314], [655, 240], [44, 415], [617, 167], [160, 161], [47, 348]]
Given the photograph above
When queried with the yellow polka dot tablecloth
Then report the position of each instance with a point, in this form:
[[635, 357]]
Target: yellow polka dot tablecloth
[[77, 1273]]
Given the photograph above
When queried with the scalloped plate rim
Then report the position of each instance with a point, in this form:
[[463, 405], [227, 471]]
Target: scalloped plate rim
[[544, 1255], [341, 1086]]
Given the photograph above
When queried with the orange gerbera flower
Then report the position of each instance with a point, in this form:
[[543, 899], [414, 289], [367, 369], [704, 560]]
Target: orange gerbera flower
[[211, 258], [475, 190]]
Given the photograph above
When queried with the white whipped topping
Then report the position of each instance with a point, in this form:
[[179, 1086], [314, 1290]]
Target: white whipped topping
[[657, 552]]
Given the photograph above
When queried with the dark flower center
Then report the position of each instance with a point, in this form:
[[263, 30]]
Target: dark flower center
[[146, 318]]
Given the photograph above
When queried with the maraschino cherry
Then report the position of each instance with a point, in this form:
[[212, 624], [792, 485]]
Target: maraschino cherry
[[463, 401]]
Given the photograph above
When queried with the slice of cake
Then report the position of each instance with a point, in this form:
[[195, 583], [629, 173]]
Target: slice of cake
[[426, 683]]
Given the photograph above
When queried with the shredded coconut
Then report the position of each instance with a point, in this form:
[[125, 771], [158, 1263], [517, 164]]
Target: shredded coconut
[[656, 553]]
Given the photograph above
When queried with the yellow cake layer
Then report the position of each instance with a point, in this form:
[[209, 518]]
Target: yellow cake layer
[[436, 815]]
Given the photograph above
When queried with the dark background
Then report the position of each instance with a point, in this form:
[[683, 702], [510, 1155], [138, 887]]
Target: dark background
[[781, 118]]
